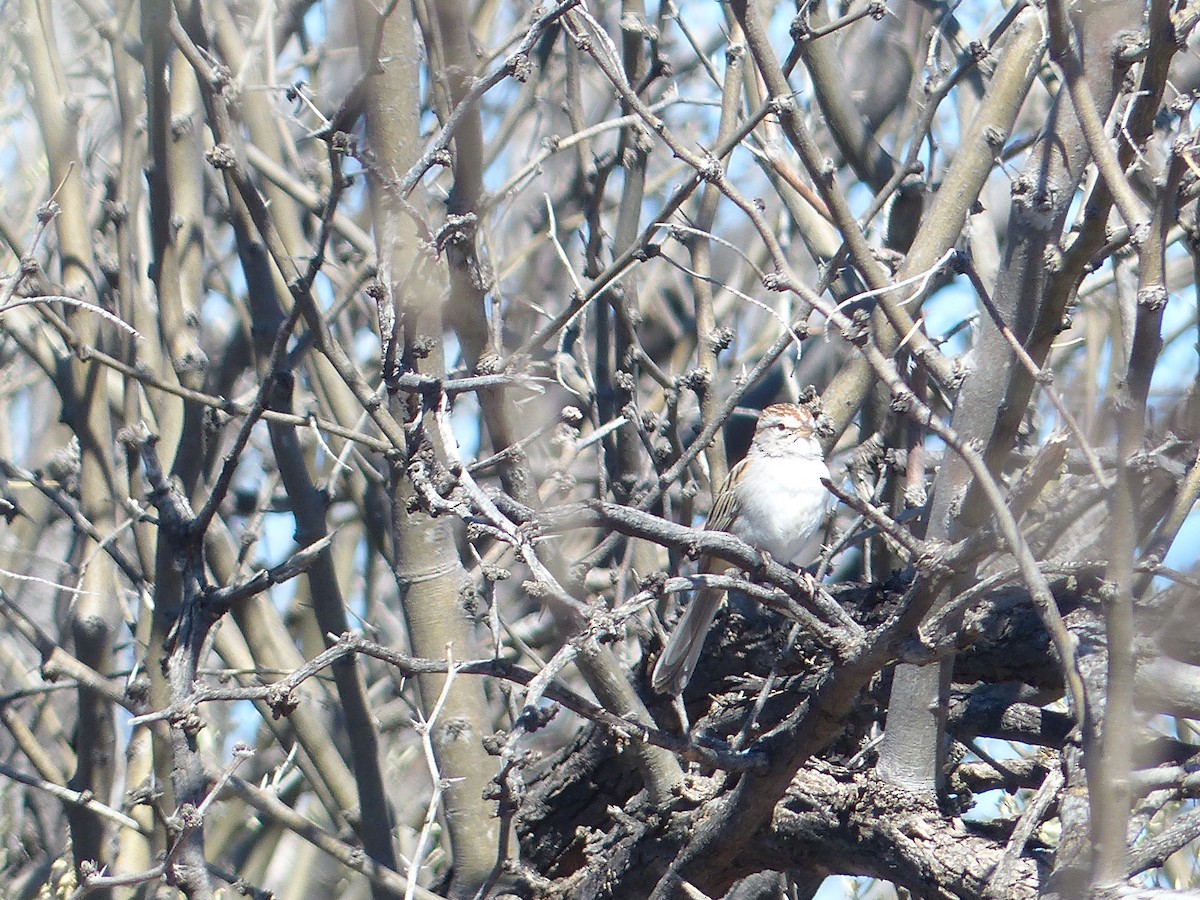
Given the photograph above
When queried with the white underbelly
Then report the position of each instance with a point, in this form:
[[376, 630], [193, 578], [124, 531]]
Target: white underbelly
[[781, 504]]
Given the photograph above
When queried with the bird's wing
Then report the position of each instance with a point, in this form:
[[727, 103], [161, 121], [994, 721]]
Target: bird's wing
[[679, 656], [725, 507]]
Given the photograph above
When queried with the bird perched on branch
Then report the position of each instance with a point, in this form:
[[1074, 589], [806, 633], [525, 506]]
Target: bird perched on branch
[[773, 500]]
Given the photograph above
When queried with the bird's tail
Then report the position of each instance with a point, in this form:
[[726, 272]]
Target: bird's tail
[[679, 657]]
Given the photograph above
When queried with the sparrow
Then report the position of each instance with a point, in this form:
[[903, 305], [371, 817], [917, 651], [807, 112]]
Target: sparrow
[[774, 500]]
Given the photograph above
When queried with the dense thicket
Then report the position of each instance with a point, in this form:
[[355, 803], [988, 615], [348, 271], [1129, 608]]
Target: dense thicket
[[368, 369]]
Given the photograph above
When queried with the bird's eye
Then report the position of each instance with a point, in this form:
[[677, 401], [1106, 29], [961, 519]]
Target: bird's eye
[[780, 426]]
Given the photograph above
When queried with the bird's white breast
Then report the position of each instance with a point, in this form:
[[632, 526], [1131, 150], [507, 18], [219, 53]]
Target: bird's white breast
[[781, 502]]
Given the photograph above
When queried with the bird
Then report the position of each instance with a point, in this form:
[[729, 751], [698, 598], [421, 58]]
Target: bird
[[774, 500]]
